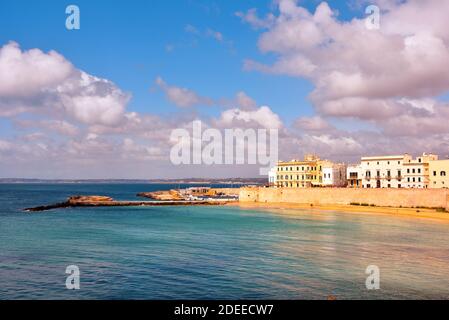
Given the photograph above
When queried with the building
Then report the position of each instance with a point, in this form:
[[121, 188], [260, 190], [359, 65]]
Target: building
[[354, 176], [439, 174], [298, 173], [307, 173], [333, 174], [272, 175], [396, 171]]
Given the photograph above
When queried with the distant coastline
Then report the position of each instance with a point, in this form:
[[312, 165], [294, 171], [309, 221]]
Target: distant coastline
[[224, 181]]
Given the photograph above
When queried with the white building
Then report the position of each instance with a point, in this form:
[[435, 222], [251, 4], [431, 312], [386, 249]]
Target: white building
[[397, 171], [334, 174], [272, 176], [354, 176]]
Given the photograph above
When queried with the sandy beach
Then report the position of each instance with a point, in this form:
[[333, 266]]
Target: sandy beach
[[361, 210]]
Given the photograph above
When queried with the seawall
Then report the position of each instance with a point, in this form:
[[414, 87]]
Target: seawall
[[407, 198]]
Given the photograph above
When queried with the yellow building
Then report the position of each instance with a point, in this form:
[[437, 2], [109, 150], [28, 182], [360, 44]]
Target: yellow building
[[299, 173], [439, 174]]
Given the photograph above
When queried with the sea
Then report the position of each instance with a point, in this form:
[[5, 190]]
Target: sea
[[211, 252]]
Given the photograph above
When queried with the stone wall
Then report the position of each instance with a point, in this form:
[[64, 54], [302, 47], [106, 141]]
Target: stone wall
[[431, 198]]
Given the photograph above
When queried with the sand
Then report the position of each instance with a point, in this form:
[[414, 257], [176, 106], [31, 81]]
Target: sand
[[399, 212]]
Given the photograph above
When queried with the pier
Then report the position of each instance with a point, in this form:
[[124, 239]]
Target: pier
[[101, 201]]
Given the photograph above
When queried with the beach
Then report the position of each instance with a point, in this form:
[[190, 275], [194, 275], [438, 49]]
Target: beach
[[417, 213]]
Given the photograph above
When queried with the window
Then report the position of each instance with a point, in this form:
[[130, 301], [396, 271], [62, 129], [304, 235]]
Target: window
[[408, 170], [414, 179], [413, 170], [377, 162], [408, 179], [419, 160], [388, 162], [419, 170], [434, 173], [419, 179], [389, 185], [443, 173], [399, 186]]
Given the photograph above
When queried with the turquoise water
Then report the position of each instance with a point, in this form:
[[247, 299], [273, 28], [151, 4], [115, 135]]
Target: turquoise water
[[210, 252]]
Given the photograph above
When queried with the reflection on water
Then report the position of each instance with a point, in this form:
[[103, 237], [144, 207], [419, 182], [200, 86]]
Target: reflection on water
[[212, 252]]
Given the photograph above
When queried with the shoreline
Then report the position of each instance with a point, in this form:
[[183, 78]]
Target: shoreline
[[421, 213]]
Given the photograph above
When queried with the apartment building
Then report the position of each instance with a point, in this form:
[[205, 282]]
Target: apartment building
[[307, 173], [396, 171], [299, 173], [354, 176]]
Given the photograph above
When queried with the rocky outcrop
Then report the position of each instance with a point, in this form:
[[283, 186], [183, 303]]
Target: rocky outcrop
[[168, 195]]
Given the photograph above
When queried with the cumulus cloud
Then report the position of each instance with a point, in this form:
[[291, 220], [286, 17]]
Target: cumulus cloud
[[312, 124], [25, 73], [388, 78], [356, 70], [33, 79], [262, 117]]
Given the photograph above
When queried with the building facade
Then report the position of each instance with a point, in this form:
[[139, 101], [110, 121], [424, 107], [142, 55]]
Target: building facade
[[397, 171], [439, 174], [307, 173], [333, 174], [354, 176]]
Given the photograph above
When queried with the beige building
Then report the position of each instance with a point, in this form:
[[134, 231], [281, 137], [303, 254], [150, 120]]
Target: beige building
[[439, 174], [307, 173]]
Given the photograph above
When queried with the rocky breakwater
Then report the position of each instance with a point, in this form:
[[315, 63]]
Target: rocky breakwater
[[165, 195], [102, 201]]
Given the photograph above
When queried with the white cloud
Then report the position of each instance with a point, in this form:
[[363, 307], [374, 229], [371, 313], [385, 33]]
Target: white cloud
[[25, 73], [253, 19], [31, 80], [262, 117], [354, 68], [182, 97]]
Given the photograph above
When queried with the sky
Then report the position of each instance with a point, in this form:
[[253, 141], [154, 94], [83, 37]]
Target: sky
[[102, 101]]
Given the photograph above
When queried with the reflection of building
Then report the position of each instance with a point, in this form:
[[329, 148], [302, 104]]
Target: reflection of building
[[307, 173], [439, 174], [354, 176]]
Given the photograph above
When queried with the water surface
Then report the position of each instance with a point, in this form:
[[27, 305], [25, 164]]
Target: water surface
[[210, 252]]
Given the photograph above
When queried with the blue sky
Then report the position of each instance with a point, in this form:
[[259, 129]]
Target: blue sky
[[331, 85], [127, 42]]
